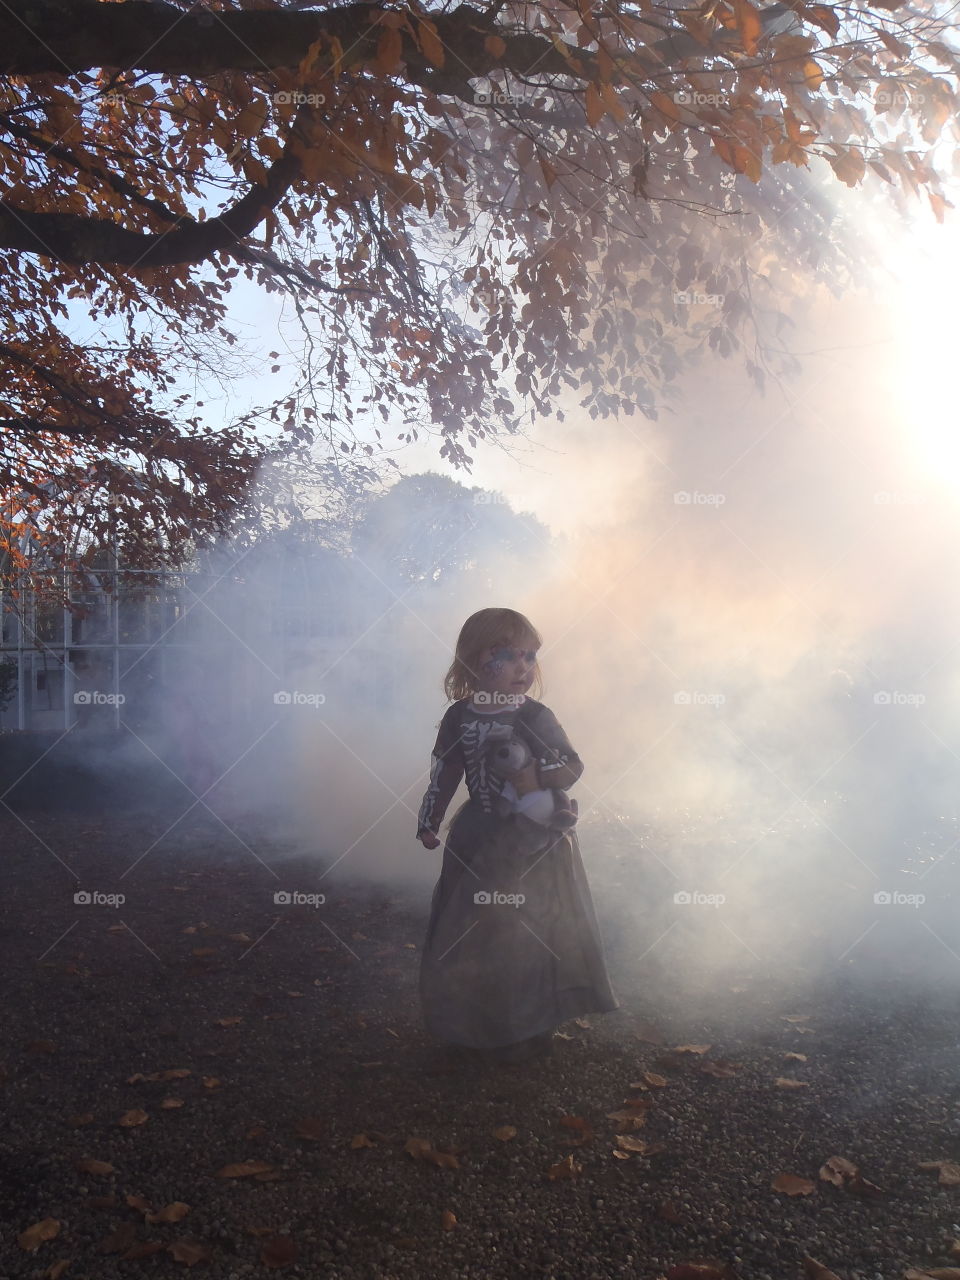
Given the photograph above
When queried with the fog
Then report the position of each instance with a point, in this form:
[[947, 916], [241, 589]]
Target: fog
[[749, 635]]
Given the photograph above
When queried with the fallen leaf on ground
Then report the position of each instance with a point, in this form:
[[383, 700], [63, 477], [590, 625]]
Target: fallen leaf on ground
[[651, 1080], [97, 1167], [140, 1203], [795, 1017], [691, 1048], [448, 1220], [505, 1133], [228, 1022], [190, 1251], [313, 1128], [581, 1126], [949, 1172], [629, 1120], [816, 1270], [422, 1149], [795, 1057], [838, 1170], [55, 1271], [565, 1169], [211, 1082], [130, 1119], [169, 1104], [36, 1235], [360, 1140], [170, 1212], [650, 1034], [636, 1145], [722, 1068], [792, 1185], [245, 1169], [784, 1082]]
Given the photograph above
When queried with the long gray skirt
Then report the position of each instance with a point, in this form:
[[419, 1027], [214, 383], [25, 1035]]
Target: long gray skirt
[[513, 945]]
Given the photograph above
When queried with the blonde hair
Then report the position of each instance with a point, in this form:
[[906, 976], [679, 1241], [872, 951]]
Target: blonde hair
[[486, 630]]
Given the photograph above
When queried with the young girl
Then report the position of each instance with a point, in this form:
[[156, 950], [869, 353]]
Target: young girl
[[513, 947]]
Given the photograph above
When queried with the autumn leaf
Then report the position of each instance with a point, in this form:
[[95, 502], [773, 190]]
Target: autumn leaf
[[581, 1126], [785, 1082], [593, 104], [505, 1133], [848, 164], [496, 46], [792, 1185], [190, 1251], [949, 1172], [566, 1169], [246, 1169], [130, 1119], [448, 1220], [172, 1212], [36, 1235], [421, 1149], [389, 52], [99, 1168], [814, 1270], [430, 42], [748, 24]]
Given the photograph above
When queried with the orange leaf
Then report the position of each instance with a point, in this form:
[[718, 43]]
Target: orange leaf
[[594, 104], [430, 42], [495, 46], [748, 24], [389, 52]]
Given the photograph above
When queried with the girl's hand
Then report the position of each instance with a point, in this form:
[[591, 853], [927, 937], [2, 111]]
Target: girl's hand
[[428, 840]]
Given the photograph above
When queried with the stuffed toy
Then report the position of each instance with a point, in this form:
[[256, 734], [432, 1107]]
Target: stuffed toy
[[505, 756]]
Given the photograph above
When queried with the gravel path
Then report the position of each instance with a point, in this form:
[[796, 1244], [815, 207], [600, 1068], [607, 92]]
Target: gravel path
[[299, 1031]]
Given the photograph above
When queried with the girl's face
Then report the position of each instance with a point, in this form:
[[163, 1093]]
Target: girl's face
[[506, 669]]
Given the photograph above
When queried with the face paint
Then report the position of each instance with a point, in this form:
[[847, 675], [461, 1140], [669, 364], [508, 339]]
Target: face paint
[[502, 654]]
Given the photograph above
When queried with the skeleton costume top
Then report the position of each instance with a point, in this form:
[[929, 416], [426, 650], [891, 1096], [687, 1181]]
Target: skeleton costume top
[[513, 946], [465, 733]]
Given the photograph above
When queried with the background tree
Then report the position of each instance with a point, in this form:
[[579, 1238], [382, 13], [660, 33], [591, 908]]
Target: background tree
[[474, 211]]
